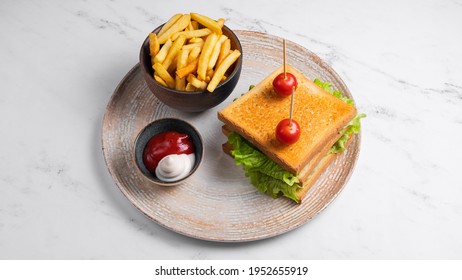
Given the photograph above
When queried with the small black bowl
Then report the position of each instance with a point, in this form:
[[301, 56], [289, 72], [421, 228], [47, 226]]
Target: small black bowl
[[196, 101], [164, 125]]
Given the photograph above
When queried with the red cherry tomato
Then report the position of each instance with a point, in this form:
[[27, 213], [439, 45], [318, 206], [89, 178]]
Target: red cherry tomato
[[287, 132], [164, 144], [282, 86]]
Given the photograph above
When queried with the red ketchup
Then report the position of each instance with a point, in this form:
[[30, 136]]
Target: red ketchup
[[164, 144]]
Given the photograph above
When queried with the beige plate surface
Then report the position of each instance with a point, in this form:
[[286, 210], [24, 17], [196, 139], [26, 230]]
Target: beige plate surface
[[217, 203]]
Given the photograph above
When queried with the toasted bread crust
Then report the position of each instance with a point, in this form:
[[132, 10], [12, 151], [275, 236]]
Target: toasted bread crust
[[304, 174], [320, 115], [313, 176]]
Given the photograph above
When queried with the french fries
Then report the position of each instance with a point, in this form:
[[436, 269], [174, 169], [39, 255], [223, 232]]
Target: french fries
[[207, 22], [173, 51], [222, 68], [179, 25], [164, 75], [224, 51], [191, 53], [169, 24], [154, 46], [162, 54], [206, 54], [216, 52]]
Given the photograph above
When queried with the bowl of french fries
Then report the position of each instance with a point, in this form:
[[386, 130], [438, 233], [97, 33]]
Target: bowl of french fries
[[192, 62]]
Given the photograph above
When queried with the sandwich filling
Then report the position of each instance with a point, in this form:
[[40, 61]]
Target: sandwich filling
[[269, 177]]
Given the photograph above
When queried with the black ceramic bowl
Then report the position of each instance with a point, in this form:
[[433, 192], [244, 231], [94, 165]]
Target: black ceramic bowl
[[164, 125], [196, 101]]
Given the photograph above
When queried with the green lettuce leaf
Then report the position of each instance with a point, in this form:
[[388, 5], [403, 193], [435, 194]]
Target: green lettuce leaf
[[353, 127], [337, 93], [265, 174], [272, 186]]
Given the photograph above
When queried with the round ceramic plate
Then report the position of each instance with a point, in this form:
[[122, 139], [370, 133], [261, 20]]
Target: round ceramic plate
[[217, 203]]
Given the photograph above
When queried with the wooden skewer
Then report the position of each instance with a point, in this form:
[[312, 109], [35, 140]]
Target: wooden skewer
[[284, 57], [291, 106]]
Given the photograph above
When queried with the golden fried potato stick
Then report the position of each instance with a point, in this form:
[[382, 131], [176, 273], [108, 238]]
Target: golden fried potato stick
[[160, 57], [196, 40], [194, 24], [182, 61], [173, 51], [222, 68], [196, 82], [179, 25], [180, 83], [224, 51], [160, 81], [169, 23], [205, 55], [190, 87], [188, 69], [154, 46], [182, 58], [194, 53], [164, 75], [207, 22], [216, 52], [221, 22], [193, 45], [172, 68], [191, 34]]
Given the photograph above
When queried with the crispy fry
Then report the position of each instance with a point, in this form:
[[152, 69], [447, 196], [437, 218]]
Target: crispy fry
[[162, 73], [191, 46], [173, 51], [180, 83], [160, 81], [207, 22], [169, 23], [190, 87], [221, 22], [196, 82], [179, 25], [216, 52], [194, 24], [191, 34], [196, 40], [224, 51], [182, 59], [190, 27], [172, 68], [154, 46], [206, 53], [222, 68], [194, 53], [188, 69], [160, 57]]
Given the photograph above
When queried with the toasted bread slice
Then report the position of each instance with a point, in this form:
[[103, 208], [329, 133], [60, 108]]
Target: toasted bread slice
[[320, 115], [304, 174]]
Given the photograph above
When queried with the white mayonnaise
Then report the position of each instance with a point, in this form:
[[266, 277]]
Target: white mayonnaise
[[175, 167]]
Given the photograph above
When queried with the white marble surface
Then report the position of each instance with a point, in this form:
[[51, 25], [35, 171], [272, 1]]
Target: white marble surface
[[61, 60]]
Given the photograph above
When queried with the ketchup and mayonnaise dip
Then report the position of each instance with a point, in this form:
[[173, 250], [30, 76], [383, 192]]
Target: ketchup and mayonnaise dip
[[169, 155]]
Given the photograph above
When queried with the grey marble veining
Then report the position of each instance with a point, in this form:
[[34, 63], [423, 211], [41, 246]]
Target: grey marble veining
[[61, 60]]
